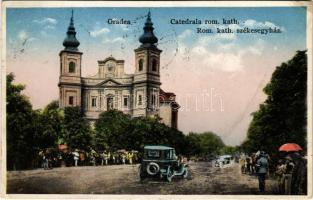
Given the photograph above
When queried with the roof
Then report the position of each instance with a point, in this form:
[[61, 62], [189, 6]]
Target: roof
[[167, 96], [158, 147], [225, 156], [70, 42], [110, 58], [148, 38]]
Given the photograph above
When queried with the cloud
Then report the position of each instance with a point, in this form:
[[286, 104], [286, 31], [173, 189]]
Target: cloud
[[124, 27], [49, 27], [199, 50], [99, 32], [220, 59], [31, 39], [251, 23], [46, 21], [22, 35], [225, 61], [185, 34], [227, 58], [216, 39], [115, 40], [44, 33], [222, 52]]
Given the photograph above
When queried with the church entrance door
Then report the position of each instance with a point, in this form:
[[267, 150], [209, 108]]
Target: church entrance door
[[110, 103]]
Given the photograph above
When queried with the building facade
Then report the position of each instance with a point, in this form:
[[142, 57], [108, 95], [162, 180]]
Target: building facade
[[137, 94]]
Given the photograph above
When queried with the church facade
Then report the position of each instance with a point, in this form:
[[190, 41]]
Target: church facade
[[138, 94]]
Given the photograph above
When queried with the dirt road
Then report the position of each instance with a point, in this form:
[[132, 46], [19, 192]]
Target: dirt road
[[123, 179]]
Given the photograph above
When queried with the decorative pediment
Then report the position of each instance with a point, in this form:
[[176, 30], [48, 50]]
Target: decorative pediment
[[109, 82]]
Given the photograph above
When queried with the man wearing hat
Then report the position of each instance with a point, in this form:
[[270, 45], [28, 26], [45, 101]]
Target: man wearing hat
[[262, 167]]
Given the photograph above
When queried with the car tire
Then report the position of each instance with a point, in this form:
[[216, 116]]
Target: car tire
[[169, 175], [153, 168]]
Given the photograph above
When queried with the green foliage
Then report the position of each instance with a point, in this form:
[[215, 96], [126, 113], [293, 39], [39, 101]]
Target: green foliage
[[49, 125], [77, 130], [116, 130], [229, 150], [111, 129], [210, 142], [282, 117], [204, 144], [193, 144], [28, 130], [20, 139]]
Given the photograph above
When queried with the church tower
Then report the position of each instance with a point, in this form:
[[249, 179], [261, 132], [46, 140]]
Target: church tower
[[147, 74], [70, 69]]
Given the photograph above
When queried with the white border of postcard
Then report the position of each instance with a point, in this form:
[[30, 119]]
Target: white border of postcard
[[38, 4]]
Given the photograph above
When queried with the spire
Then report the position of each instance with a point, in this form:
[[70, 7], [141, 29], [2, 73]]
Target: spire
[[148, 38], [70, 42]]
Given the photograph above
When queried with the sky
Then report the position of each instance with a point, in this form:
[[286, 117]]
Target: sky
[[217, 78]]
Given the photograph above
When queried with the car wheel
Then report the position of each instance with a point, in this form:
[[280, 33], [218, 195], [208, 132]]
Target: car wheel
[[186, 173], [169, 175], [153, 168]]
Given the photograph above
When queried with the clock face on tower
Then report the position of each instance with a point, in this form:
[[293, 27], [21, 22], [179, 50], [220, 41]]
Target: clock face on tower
[[111, 68]]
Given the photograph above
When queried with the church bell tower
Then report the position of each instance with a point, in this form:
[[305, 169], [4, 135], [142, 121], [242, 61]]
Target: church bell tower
[[147, 74], [70, 70]]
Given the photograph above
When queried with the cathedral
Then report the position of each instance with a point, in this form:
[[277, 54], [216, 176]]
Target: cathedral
[[138, 94]]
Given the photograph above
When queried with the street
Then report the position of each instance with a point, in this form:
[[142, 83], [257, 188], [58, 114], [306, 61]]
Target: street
[[123, 179]]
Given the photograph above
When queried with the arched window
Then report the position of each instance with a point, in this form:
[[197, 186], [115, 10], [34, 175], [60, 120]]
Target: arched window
[[71, 67], [154, 65], [140, 65]]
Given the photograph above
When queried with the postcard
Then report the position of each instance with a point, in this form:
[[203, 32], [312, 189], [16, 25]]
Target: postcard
[[157, 100]]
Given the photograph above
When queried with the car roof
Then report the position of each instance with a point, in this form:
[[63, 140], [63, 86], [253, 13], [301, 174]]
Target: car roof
[[158, 147], [225, 156]]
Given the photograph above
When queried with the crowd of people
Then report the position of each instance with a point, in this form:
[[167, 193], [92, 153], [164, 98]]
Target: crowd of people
[[51, 158], [290, 171]]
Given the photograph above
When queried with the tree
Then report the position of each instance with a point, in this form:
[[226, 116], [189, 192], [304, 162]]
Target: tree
[[204, 144], [111, 130], [116, 130], [77, 130], [229, 150], [282, 117], [49, 125], [20, 118], [176, 139], [210, 143], [193, 144]]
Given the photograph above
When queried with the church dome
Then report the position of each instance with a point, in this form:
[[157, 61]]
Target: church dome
[[148, 36], [70, 42]]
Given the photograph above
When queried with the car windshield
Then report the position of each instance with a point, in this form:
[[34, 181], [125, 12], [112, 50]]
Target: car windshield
[[169, 154], [153, 153]]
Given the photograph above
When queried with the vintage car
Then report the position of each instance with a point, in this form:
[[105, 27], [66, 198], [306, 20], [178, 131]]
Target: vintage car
[[162, 162], [224, 160]]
